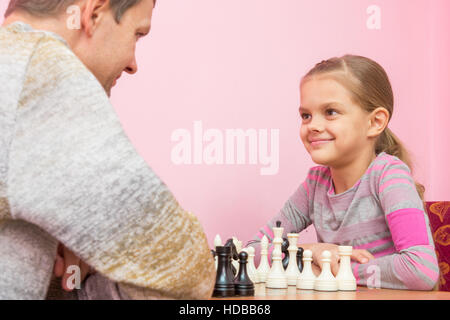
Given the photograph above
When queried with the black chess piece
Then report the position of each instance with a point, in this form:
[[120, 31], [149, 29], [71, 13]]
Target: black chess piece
[[300, 258], [284, 249], [234, 255], [224, 286], [243, 286]]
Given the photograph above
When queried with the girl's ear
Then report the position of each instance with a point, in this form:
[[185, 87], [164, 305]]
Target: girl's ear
[[378, 121]]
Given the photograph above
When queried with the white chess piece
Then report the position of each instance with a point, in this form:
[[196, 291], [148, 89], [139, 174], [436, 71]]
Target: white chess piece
[[326, 281], [345, 278], [292, 272], [263, 268], [307, 278], [251, 269], [276, 278], [217, 243], [238, 244]]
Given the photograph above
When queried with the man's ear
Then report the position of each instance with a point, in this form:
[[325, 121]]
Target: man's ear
[[378, 120], [92, 13]]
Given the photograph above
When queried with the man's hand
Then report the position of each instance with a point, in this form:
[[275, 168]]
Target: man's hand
[[64, 259]]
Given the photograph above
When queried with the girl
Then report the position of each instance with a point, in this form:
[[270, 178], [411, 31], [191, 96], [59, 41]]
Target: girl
[[362, 193]]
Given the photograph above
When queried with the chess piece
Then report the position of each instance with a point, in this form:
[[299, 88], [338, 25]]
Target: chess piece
[[292, 272], [285, 251], [263, 268], [234, 256], [217, 242], [251, 269], [307, 278], [276, 278], [345, 278], [300, 259], [326, 281], [238, 245], [224, 286], [243, 286]]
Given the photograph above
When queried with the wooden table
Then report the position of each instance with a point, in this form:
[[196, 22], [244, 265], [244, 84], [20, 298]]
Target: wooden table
[[362, 293]]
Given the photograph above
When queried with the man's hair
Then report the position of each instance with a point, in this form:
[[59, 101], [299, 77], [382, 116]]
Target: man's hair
[[45, 8]]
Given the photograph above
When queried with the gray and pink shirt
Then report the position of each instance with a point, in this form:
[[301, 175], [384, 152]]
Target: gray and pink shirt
[[382, 213]]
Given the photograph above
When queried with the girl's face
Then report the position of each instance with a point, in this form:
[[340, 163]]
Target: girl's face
[[334, 128]]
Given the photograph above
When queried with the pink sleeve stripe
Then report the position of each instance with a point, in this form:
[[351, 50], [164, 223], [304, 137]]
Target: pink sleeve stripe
[[394, 181], [394, 171], [260, 235], [408, 228], [409, 277], [319, 179], [424, 255], [305, 185], [376, 168], [386, 252], [355, 272], [374, 244], [428, 272], [390, 160], [268, 231]]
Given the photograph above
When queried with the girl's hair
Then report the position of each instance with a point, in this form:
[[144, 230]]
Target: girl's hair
[[370, 88]]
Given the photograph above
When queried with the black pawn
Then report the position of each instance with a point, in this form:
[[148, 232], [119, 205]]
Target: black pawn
[[243, 286], [224, 286], [300, 259]]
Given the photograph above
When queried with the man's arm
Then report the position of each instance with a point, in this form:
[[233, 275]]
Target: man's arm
[[30, 251], [74, 173]]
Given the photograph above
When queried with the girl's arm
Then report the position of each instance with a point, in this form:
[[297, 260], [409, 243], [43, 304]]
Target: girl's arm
[[294, 217], [413, 264]]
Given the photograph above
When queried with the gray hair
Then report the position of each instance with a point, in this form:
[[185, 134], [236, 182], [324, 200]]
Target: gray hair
[[45, 8]]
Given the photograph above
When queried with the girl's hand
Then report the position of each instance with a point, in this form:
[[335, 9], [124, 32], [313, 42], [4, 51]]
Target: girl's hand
[[361, 255], [317, 250], [358, 255]]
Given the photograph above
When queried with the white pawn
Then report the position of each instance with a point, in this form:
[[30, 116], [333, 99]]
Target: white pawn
[[217, 243], [276, 279], [345, 278], [251, 269], [307, 278], [263, 268], [292, 272], [326, 281]]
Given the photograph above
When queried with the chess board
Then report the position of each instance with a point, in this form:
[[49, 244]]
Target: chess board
[[361, 293]]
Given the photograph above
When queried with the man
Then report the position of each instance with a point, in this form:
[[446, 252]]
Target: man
[[68, 172]]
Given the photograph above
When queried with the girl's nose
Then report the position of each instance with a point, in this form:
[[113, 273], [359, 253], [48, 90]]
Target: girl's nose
[[316, 125]]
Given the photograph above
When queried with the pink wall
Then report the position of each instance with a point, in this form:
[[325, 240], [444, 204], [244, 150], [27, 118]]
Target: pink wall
[[236, 64]]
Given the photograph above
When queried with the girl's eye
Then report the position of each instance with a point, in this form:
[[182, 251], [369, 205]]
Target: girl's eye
[[331, 112], [305, 116]]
